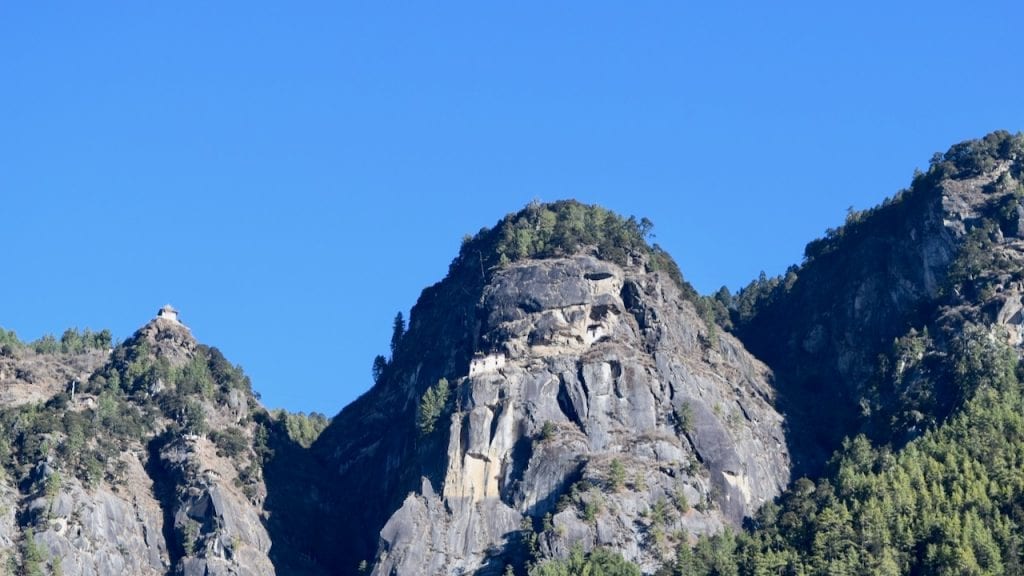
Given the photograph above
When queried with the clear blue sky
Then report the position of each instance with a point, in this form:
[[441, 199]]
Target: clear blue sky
[[290, 175]]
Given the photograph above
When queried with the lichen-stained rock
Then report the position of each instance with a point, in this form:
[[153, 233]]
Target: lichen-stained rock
[[617, 414]]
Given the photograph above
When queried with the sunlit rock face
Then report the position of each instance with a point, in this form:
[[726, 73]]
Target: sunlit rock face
[[604, 399]]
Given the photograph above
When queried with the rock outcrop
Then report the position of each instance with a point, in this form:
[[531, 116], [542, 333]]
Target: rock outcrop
[[607, 371], [556, 389], [110, 471], [101, 530]]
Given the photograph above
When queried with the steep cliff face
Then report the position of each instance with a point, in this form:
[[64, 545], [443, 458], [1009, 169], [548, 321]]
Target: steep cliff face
[[584, 402], [114, 471], [605, 399], [840, 331]]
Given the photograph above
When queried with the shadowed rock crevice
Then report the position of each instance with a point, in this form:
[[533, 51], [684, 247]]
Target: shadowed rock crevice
[[547, 502], [301, 506], [522, 453], [165, 492], [568, 406]]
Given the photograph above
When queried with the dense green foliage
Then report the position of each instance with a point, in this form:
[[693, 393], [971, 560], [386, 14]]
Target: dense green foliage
[[73, 342], [397, 332], [380, 366], [617, 475], [973, 157], [951, 502], [936, 483], [600, 562], [564, 228], [9, 342], [383, 366], [547, 431], [837, 330], [135, 395], [32, 559], [547, 230], [302, 428], [230, 442], [433, 403]]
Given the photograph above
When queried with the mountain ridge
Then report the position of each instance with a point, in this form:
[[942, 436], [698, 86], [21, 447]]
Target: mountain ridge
[[888, 270], [563, 386]]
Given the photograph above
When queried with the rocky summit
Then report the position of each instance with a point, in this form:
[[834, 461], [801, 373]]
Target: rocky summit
[[598, 394], [564, 402], [122, 470]]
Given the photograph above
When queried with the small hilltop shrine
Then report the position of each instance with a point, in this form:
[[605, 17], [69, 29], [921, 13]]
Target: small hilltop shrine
[[168, 313]]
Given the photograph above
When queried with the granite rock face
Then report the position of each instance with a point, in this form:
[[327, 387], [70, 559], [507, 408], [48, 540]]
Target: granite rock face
[[602, 411], [101, 530], [221, 531], [154, 500]]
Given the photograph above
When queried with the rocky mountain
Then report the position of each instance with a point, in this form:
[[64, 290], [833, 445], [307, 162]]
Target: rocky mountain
[[843, 331], [581, 392], [563, 400], [897, 348], [142, 461]]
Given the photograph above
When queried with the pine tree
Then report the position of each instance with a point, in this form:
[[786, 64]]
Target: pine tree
[[397, 333]]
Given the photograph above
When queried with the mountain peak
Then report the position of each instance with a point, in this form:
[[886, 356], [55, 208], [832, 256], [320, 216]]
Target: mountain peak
[[560, 229], [594, 362], [167, 337]]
